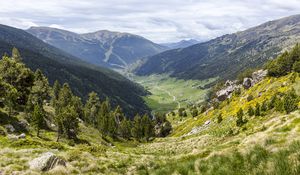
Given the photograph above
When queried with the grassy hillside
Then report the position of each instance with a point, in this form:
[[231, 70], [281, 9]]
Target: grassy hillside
[[266, 144]]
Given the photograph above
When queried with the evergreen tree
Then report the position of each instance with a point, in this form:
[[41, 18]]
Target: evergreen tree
[[37, 118], [69, 121], [136, 130], [272, 102], [125, 129], [279, 105], [220, 118], [16, 54], [40, 88], [18, 77], [251, 111], [240, 121], [104, 117], [194, 112], [92, 109], [77, 104], [257, 110], [290, 101], [55, 93], [147, 127]]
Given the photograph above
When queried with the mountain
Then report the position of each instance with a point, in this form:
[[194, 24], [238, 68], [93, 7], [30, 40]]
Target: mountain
[[82, 77], [181, 44], [105, 48], [227, 55]]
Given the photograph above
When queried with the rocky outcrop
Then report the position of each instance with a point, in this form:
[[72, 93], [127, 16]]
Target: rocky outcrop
[[13, 137], [230, 87], [46, 162], [256, 77]]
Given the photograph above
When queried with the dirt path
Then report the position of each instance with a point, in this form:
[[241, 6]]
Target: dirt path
[[170, 94]]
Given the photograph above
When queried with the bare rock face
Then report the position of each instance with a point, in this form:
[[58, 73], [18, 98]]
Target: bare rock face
[[46, 162], [230, 86], [259, 75]]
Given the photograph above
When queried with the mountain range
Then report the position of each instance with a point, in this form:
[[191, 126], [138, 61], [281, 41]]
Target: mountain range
[[228, 55], [105, 48], [82, 77], [181, 44]]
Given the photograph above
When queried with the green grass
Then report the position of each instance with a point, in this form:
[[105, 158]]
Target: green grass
[[170, 93]]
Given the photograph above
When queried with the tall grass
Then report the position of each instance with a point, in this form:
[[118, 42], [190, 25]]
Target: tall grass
[[257, 160]]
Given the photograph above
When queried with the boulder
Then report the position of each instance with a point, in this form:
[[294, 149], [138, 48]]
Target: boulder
[[46, 161], [225, 93], [259, 75], [247, 83], [9, 128]]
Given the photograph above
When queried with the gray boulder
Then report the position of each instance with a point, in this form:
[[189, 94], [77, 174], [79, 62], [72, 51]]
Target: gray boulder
[[230, 87], [9, 128], [247, 83], [259, 75], [46, 162]]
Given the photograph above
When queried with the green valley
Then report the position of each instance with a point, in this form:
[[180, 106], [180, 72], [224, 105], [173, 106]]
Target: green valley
[[167, 94]]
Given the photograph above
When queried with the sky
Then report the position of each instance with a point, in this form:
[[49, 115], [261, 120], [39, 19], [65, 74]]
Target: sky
[[158, 20]]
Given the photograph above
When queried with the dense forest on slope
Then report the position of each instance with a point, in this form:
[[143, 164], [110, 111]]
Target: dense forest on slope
[[228, 55], [81, 76]]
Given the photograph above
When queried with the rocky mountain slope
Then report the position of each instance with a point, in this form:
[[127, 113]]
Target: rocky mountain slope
[[181, 44], [227, 55], [82, 77], [105, 48]]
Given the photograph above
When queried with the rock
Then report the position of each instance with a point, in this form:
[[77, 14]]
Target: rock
[[23, 125], [9, 128], [230, 86], [46, 162], [22, 136], [259, 75], [12, 137], [207, 122], [247, 83]]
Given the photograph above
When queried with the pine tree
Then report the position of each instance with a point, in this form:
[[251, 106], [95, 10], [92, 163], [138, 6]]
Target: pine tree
[[55, 93], [38, 118], [40, 88], [147, 127], [16, 54], [125, 129], [251, 111], [257, 110], [103, 117], [219, 118], [18, 77], [279, 105], [92, 109], [69, 121], [290, 101], [136, 130], [272, 102], [240, 121], [194, 112]]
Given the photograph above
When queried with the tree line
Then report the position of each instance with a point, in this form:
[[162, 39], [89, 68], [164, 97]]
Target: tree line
[[24, 90]]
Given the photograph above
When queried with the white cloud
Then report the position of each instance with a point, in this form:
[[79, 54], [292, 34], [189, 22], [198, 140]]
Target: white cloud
[[160, 21]]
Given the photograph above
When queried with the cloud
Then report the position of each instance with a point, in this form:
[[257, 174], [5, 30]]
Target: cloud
[[160, 21]]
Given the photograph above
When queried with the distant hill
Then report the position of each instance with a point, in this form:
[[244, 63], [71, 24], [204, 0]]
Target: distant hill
[[181, 44], [105, 48], [227, 55], [82, 77]]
